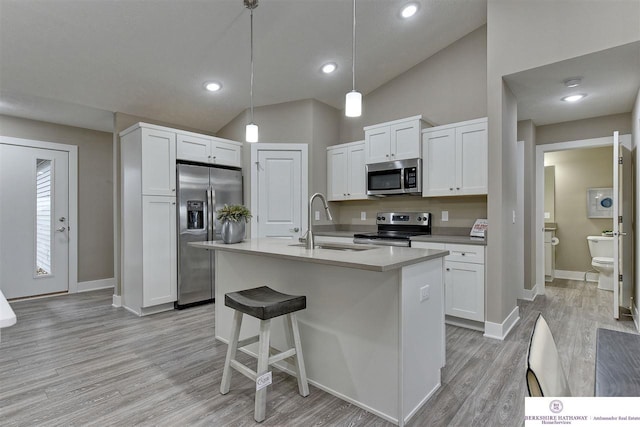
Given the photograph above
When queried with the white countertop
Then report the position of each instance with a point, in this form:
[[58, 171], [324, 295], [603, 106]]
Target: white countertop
[[378, 258], [7, 316]]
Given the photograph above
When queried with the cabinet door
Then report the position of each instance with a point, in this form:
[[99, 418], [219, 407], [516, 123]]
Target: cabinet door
[[158, 163], [472, 159], [357, 188], [194, 148], [405, 140], [226, 153], [159, 252], [337, 174], [439, 163], [464, 290], [378, 145]]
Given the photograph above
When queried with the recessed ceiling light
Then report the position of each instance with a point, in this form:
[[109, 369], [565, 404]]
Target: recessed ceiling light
[[573, 82], [329, 67], [213, 86], [574, 98], [409, 10]]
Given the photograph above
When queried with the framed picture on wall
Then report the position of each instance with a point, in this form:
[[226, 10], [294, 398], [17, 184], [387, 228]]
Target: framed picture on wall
[[600, 203]]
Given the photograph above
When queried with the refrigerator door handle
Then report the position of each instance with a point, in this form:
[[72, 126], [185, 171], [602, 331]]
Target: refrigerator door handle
[[210, 204]]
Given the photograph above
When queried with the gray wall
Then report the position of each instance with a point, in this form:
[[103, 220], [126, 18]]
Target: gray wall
[[447, 87], [527, 134], [594, 127], [522, 35], [95, 189], [306, 121]]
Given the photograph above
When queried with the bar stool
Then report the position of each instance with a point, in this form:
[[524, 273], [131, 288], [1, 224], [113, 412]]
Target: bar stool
[[265, 304]]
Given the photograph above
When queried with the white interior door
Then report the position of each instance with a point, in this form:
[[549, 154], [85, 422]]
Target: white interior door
[[279, 194], [622, 229], [34, 221]]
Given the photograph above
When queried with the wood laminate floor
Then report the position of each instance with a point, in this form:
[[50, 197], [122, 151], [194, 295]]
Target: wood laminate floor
[[76, 360]]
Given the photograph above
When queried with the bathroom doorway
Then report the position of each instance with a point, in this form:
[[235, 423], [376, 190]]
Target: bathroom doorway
[[577, 174]]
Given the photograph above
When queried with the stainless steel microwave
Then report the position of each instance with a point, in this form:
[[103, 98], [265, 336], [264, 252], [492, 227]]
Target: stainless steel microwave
[[397, 177]]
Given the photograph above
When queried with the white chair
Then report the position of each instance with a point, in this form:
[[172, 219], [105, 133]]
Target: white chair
[[545, 376]]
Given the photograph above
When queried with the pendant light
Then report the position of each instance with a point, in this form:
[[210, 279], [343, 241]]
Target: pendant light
[[353, 100], [252, 128]]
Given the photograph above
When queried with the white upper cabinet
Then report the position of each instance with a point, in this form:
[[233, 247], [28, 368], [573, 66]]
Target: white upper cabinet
[[396, 140], [158, 158], [208, 149], [346, 172], [455, 159]]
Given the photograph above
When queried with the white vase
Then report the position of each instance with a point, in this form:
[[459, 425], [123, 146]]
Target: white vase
[[232, 231]]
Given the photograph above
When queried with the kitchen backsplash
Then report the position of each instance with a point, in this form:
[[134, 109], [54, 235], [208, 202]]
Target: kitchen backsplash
[[462, 210]]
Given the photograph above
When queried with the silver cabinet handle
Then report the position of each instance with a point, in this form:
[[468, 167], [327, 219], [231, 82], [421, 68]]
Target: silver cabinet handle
[[448, 269], [61, 229]]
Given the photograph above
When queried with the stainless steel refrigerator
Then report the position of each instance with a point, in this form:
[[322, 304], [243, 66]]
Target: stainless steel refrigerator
[[202, 190]]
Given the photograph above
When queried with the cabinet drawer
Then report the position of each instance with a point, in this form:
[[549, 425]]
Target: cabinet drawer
[[466, 253]]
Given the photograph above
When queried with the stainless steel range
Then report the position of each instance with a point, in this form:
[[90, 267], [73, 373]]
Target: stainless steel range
[[396, 228]]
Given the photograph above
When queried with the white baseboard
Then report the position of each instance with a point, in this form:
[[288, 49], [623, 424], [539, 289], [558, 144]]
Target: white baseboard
[[117, 300], [576, 275], [529, 294], [93, 285], [500, 331]]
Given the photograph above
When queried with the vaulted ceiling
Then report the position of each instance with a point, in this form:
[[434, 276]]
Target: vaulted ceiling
[[76, 62]]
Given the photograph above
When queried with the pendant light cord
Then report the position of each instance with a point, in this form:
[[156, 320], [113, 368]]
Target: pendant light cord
[[251, 84], [353, 49]]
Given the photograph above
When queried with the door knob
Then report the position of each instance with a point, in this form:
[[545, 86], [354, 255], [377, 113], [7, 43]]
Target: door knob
[[61, 229], [62, 219], [295, 230]]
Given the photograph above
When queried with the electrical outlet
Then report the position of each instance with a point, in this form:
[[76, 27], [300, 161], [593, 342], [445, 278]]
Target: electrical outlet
[[424, 293], [317, 215], [363, 216], [445, 216]]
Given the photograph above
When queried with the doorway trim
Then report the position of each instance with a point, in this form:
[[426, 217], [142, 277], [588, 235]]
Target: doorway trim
[[72, 150], [253, 189], [540, 287]]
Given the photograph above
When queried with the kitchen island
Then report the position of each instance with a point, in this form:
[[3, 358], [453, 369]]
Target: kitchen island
[[373, 330]]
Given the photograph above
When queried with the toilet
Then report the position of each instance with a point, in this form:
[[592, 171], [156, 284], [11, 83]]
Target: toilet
[[601, 249]]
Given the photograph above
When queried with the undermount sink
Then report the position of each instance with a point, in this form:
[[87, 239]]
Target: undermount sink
[[338, 247]]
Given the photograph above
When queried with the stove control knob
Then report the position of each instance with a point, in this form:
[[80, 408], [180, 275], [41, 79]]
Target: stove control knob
[[379, 218], [419, 218], [383, 218]]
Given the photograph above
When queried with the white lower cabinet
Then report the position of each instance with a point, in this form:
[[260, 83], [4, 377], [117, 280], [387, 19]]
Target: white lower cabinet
[[464, 290], [464, 279], [159, 256]]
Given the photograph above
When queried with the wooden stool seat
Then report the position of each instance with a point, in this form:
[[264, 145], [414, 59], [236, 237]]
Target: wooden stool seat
[[265, 304]]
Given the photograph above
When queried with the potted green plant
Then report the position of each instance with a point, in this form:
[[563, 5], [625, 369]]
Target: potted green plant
[[233, 219]]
